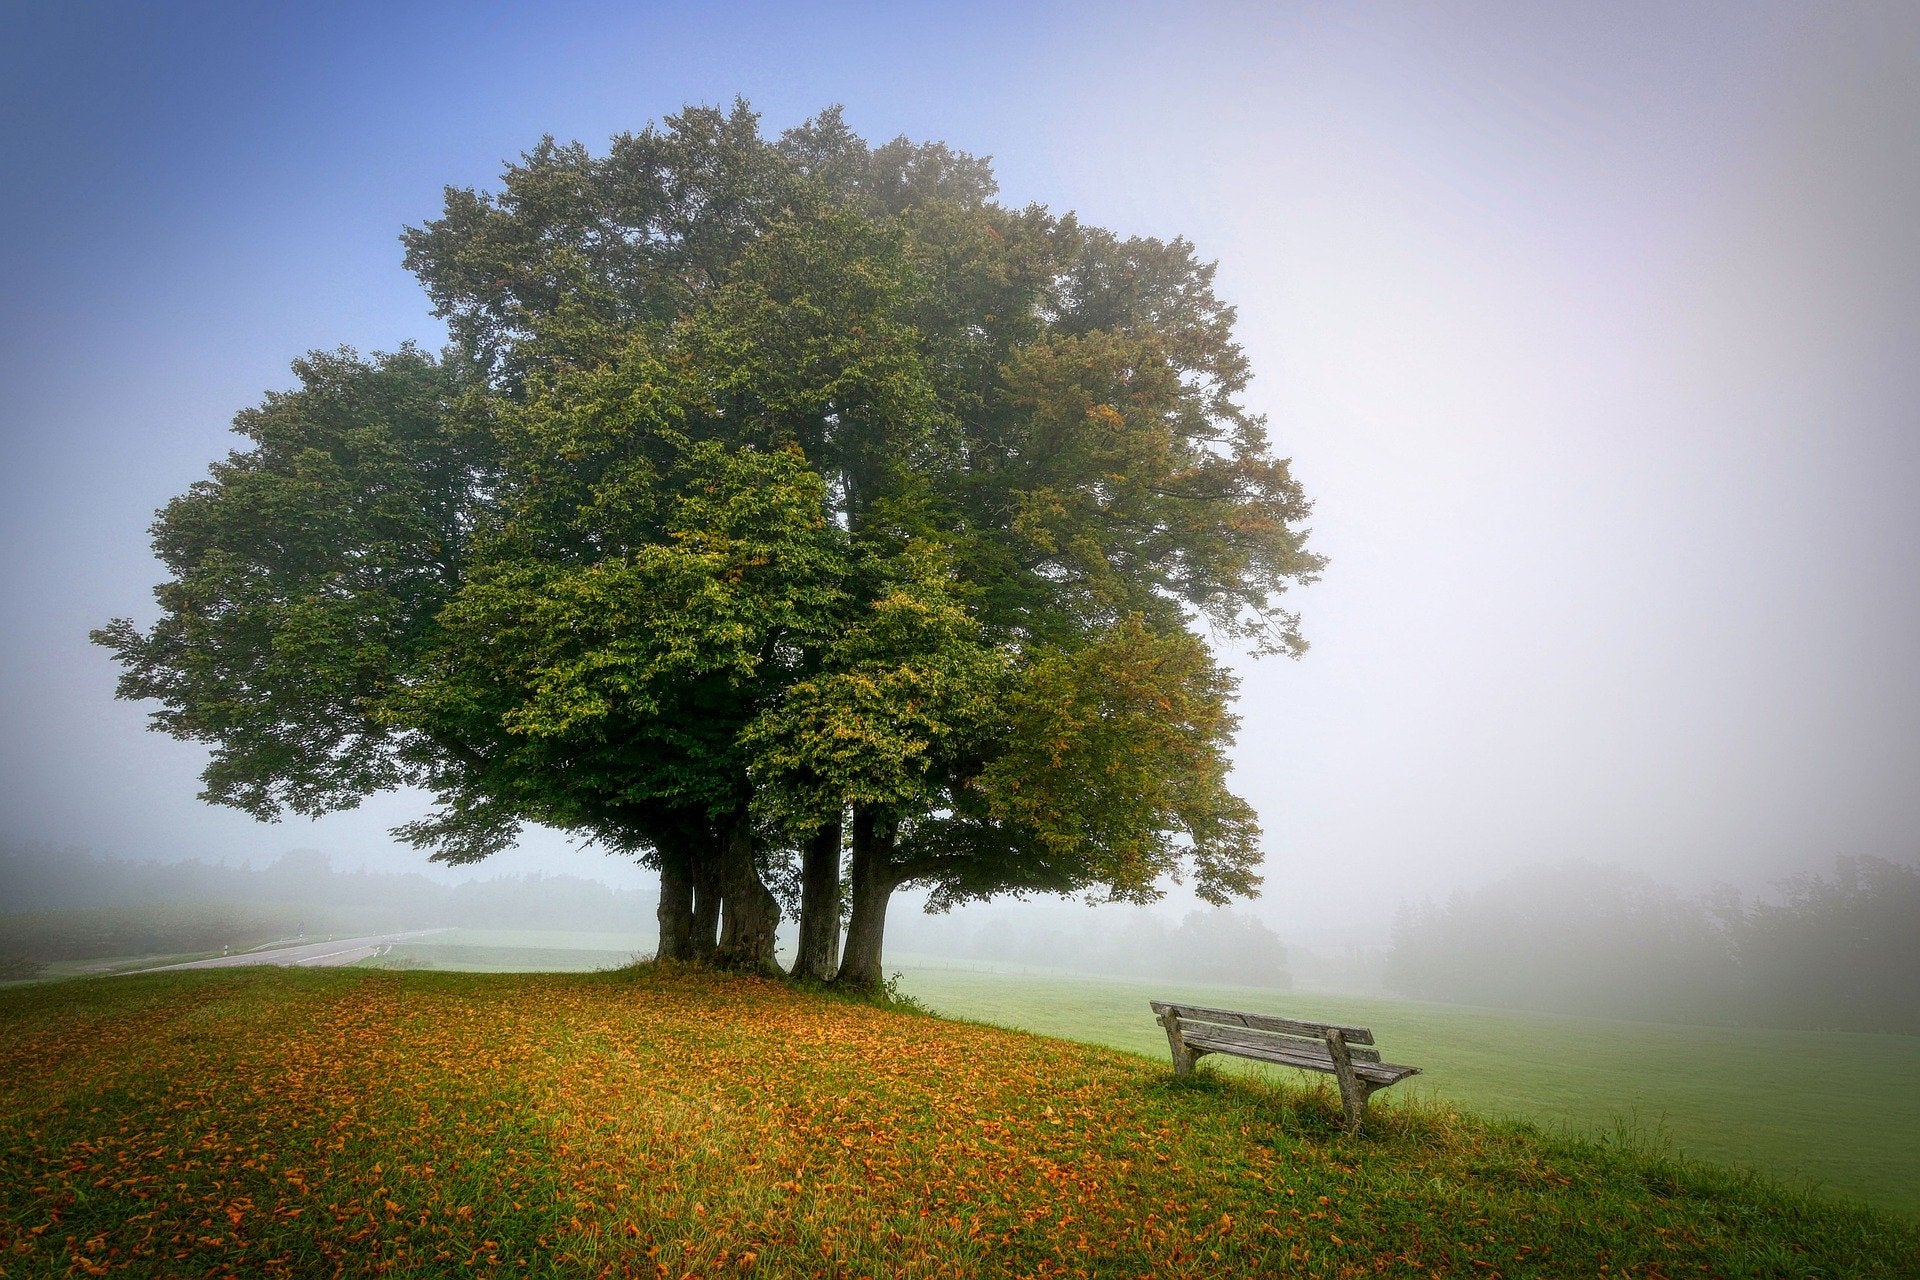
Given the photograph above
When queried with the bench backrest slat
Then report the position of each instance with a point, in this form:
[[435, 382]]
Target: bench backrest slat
[[1256, 1039], [1263, 1022]]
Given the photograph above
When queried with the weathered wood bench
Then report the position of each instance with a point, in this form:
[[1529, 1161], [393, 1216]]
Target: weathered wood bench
[[1312, 1046]]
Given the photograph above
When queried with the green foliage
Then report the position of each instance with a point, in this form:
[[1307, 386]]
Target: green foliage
[[766, 480], [307, 572], [904, 697], [629, 240], [1133, 484], [1114, 751], [612, 691]]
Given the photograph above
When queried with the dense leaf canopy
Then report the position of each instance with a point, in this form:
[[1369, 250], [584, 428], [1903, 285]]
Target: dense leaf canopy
[[767, 485]]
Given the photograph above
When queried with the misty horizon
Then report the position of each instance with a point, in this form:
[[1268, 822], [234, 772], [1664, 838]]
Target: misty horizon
[[637, 885]]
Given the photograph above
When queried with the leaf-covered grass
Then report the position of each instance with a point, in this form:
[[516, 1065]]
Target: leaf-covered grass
[[1834, 1111], [649, 1122]]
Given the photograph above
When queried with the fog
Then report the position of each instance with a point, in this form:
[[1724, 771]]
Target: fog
[[1830, 951], [70, 905], [1592, 337]]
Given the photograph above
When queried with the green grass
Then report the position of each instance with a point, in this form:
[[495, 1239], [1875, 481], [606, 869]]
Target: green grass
[[557, 939], [1835, 1111], [516, 951], [271, 1122]]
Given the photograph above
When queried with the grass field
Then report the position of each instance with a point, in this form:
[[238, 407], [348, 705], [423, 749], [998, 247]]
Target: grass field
[[1741, 1097], [517, 951], [1840, 1112], [296, 1122]]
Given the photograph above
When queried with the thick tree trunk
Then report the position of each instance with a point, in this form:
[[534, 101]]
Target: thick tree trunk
[[706, 908], [749, 915], [874, 880], [676, 905], [819, 949]]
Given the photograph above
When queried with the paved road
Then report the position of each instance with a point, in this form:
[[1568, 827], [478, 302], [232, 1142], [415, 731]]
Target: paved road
[[339, 951]]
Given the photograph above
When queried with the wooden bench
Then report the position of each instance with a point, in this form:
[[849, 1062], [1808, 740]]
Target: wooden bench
[[1312, 1046]]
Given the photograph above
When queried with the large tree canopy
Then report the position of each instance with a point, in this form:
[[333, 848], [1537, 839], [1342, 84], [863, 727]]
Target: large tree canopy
[[778, 502]]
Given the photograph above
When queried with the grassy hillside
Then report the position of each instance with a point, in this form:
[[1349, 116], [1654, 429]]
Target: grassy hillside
[[274, 1122], [1833, 1110]]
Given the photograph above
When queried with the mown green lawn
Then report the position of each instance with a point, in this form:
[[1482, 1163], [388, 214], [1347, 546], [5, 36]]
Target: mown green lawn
[[292, 1123], [517, 951], [1837, 1111]]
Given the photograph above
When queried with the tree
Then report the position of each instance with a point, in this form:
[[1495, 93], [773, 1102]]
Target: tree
[[1835, 952], [1575, 937], [775, 496]]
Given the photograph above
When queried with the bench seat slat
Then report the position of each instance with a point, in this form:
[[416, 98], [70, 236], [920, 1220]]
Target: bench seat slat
[[1263, 1022]]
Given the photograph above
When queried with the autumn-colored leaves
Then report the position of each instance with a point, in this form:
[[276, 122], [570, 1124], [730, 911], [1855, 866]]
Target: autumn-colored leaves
[[323, 1124], [661, 1123]]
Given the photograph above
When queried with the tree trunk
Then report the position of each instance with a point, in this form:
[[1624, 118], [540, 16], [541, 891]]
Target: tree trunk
[[676, 905], [874, 881], [704, 940], [749, 915], [819, 949]]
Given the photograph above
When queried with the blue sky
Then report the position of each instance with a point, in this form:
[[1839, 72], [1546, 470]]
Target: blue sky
[[1588, 327]]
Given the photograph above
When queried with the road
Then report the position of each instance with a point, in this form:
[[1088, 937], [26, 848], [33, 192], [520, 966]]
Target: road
[[315, 954]]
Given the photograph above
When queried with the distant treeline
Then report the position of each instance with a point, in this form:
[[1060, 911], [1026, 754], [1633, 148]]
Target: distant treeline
[[1824, 952], [71, 905], [1219, 945]]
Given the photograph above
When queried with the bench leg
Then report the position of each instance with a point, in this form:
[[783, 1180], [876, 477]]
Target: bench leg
[[1353, 1090], [1354, 1103], [1183, 1057]]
